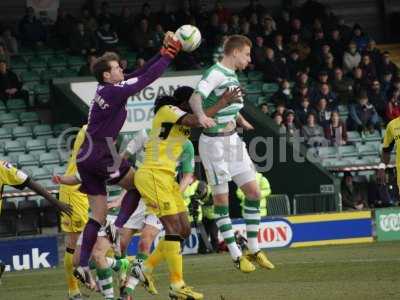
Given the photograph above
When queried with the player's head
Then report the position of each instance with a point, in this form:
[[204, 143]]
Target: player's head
[[106, 69], [238, 47], [180, 98]]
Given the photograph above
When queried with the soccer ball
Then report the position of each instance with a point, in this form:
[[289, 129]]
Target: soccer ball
[[189, 36]]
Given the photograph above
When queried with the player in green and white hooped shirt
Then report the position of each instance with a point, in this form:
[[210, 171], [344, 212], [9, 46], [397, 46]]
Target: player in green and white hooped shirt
[[224, 155]]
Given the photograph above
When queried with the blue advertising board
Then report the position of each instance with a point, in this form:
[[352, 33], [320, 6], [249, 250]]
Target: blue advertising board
[[29, 253]]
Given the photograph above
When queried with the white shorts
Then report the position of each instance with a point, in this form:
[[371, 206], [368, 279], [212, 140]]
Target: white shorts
[[139, 218], [224, 157]]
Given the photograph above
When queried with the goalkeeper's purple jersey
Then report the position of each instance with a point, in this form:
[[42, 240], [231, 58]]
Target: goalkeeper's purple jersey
[[107, 113]]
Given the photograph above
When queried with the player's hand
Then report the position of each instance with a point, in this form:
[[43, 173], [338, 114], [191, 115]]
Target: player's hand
[[64, 208], [206, 122], [232, 96], [56, 179], [381, 176], [171, 45]]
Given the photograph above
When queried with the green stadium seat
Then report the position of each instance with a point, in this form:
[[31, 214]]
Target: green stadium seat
[[353, 136], [278, 205], [42, 93], [48, 184], [60, 127], [56, 62], [372, 137], [47, 75], [16, 105], [18, 63], [11, 158], [347, 151], [50, 158], [59, 170], [22, 132], [14, 147], [27, 160], [254, 88], [335, 162], [29, 118], [373, 159], [36, 199], [37, 62], [358, 161], [252, 98], [3, 107], [343, 110], [41, 174], [270, 88], [314, 203], [255, 76], [368, 149], [74, 61], [43, 130], [35, 146], [55, 143], [30, 76], [327, 152], [5, 133], [68, 73]]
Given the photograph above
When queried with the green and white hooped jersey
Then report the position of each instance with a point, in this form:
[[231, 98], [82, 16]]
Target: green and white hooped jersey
[[213, 84]]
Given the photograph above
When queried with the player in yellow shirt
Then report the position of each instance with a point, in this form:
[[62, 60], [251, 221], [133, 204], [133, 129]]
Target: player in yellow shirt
[[155, 179], [390, 140], [73, 225], [9, 175]]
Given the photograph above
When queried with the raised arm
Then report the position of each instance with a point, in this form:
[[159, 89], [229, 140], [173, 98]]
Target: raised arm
[[143, 69]]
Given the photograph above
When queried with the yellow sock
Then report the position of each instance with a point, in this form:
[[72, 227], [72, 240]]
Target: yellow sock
[[155, 257], [72, 282], [172, 254]]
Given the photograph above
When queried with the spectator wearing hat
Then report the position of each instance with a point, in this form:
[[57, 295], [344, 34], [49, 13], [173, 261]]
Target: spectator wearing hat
[[336, 131], [290, 123], [351, 58], [342, 87], [303, 108], [363, 115], [360, 38], [274, 69], [313, 133], [10, 85], [354, 197]]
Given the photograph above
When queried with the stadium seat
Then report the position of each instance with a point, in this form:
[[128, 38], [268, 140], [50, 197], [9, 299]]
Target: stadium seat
[[3, 107], [68, 73], [16, 105], [11, 158], [30, 118], [9, 119], [56, 62], [48, 214], [59, 170], [47, 75], [22, 133], [60, 127], [35, 198], [43, 130], [27, 160], [313, 203], [5, 133], [18, 63], [278, 205], [269, 88], [48, 184], [30, 76], [14, 147], [8, 218], [50, 158], [347, 151], [368, 149], [327, 152], [252, 98], [255, 76], [55, 144], [343, 111], [37, 63], [372, 137], [373, 159], [74, 61], [28, 220], [254, 88], [35, 146], [335, 162], [353, 136]]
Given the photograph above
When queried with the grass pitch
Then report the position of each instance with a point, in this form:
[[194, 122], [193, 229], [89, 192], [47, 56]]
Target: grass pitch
[[365, 271]]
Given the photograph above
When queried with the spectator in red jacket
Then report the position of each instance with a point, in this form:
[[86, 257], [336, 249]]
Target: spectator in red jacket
[[393, 106]]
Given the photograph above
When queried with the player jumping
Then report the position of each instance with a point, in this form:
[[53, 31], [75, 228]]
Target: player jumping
[[98, 161], [223, 153]]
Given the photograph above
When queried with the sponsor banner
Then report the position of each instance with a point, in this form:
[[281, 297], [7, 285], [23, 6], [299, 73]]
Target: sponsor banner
[[387, 222], [29, 254], [298, 231], [139, 106]]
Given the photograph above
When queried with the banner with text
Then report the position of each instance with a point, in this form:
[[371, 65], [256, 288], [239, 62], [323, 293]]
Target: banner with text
[[29, 254], [387, 221], [139, 106]]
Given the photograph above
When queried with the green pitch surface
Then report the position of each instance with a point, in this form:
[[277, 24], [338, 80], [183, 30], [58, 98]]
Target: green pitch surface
[[365, 271]]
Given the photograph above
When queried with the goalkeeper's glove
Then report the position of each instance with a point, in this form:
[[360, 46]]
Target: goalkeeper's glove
[[171, 48]]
